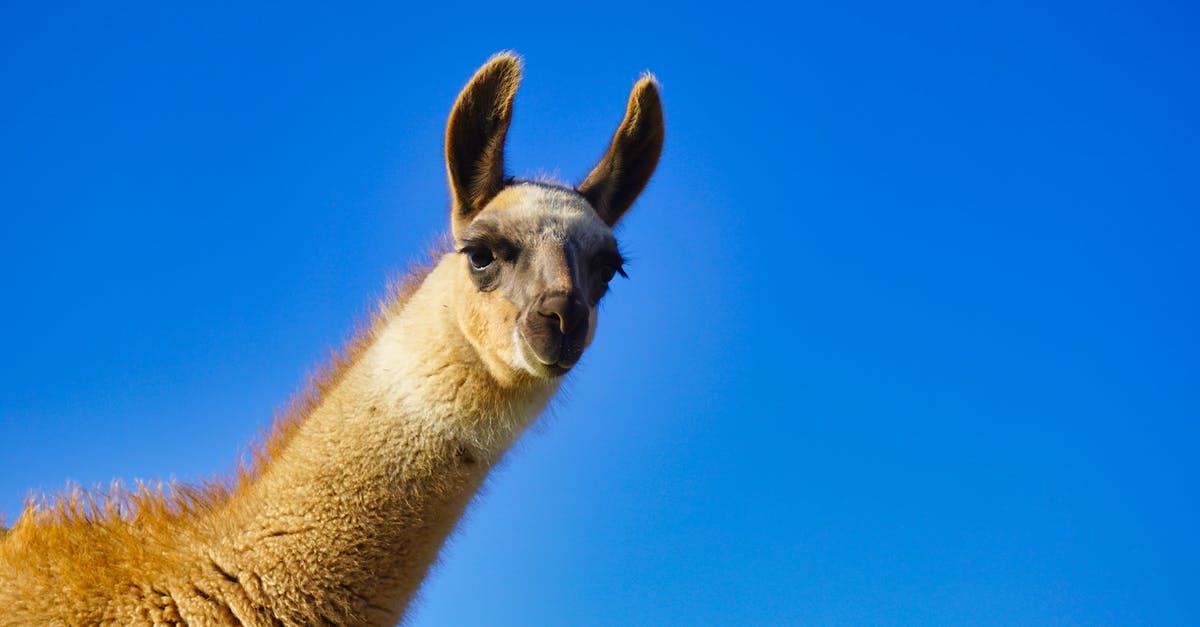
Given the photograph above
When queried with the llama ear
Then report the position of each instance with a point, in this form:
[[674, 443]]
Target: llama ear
[[626, 167], [475, 136]]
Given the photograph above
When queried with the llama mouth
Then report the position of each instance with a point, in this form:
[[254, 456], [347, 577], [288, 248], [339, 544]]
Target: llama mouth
[[553, 362], [557, 370], [553, 356]]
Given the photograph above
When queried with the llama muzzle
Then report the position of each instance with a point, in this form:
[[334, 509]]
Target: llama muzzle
[[555, 328]]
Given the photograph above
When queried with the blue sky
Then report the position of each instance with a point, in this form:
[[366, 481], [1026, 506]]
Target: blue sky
[[910, 335]]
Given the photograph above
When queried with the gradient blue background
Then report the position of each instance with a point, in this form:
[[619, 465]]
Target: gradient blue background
[[910, 336]]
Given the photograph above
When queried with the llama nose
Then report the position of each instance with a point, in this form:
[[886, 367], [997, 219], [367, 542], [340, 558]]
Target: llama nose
[[568, 308]]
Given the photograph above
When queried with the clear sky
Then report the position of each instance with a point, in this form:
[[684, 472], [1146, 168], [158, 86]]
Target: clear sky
[[910, 336]]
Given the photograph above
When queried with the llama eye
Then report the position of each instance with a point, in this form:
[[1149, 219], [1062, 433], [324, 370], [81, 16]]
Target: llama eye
[[609, 270], [480, 258]]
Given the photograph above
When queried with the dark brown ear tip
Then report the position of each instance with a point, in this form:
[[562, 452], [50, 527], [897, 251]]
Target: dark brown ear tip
[[490, 91], [647, 86], [496, 80], [648, 81], [505, 63], [645, 98], [506, 56]]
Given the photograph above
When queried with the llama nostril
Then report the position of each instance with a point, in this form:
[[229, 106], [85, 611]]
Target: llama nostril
[[556, 320], [553, 316], [567, 309]]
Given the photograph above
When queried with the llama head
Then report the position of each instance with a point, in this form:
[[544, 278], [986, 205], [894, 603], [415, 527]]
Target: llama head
[[536, 258]]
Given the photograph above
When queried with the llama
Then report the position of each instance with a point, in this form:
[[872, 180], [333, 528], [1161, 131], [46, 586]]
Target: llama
[[356, 489]]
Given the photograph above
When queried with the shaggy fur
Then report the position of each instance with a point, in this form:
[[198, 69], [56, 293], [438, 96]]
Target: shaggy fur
[[348, 502]]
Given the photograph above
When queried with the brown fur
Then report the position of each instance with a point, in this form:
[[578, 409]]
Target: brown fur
[[475, 136], [347, 503], [630, 160]]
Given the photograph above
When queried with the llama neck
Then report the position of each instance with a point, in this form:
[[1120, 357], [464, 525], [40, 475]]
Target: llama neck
[[346, 519]]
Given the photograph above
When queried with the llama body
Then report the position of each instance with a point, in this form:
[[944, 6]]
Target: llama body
[[359, 487]]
